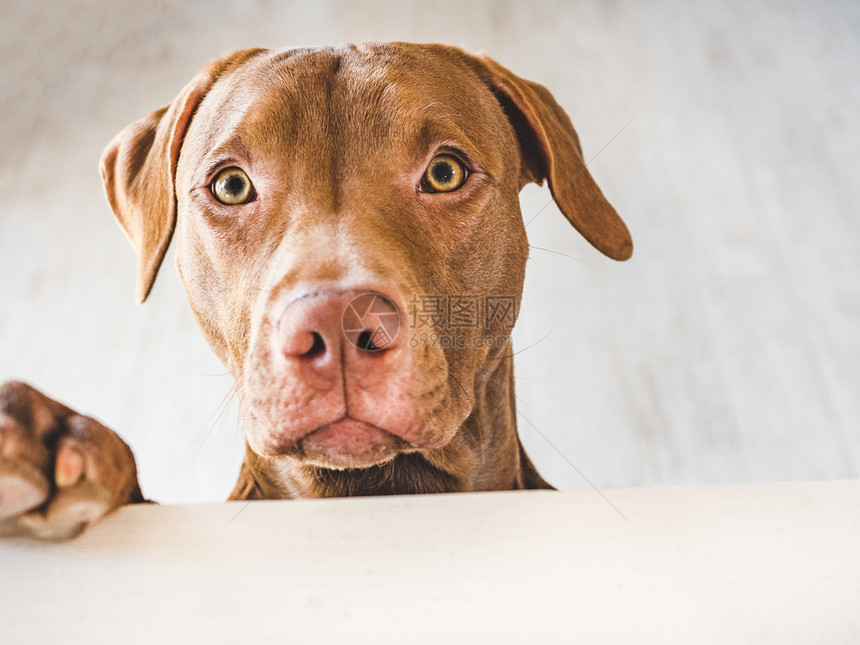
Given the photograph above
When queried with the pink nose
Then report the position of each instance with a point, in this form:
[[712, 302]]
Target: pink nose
[[329, 327]]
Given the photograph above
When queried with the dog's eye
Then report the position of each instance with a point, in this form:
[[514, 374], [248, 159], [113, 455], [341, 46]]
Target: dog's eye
[[445, 174], [232, 186]]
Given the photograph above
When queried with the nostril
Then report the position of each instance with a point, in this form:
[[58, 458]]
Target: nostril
[[305, 344], [316, 348], [368, 342]]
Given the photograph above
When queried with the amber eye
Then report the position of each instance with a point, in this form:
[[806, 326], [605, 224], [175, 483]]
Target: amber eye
[[445, 174], [232, 186]]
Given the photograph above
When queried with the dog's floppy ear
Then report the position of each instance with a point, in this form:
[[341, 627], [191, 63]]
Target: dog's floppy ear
[[139, 169], [550, 148]]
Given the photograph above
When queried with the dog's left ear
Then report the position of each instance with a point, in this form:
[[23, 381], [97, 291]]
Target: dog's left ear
[[139, 169], [550, 149]]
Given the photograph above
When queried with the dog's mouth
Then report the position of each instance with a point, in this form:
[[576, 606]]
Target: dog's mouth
[[350, 443]]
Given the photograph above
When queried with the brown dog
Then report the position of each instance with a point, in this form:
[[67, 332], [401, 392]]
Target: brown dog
[[350, 239]]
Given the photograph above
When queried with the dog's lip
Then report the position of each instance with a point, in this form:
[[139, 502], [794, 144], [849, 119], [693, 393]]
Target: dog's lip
[[351, 443]]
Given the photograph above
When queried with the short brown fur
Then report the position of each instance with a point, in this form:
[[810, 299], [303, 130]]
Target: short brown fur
[[335, 139]]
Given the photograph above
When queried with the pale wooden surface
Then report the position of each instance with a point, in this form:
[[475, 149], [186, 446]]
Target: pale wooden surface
[[739, 564], [727, 350]]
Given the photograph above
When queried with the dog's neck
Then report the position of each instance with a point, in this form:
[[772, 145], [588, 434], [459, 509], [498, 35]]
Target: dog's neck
[[485, 454]]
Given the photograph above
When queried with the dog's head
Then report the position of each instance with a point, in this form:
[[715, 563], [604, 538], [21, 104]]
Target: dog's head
[[349, 232]]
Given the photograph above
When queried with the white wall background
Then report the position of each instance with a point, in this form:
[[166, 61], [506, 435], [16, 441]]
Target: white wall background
[[727, 350]]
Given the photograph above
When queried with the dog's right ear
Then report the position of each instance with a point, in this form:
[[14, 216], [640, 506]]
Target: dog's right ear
[[139, 170]]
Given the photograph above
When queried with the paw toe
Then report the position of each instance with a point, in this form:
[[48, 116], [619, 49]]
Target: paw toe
[[21, 489], [69, 467]]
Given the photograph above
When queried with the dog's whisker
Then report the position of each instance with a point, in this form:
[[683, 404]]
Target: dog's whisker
[[536, 263], [528, 347], [477, 418], [574, 466], [442, 116], [214, 419], [540, 248]]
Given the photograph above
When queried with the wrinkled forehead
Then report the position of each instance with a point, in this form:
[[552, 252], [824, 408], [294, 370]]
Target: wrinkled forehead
[[353, 100]]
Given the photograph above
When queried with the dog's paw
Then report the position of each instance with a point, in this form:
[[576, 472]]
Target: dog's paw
[[59, 471]]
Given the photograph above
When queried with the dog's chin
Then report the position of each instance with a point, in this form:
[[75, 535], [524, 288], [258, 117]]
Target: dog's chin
[[350, 462]]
